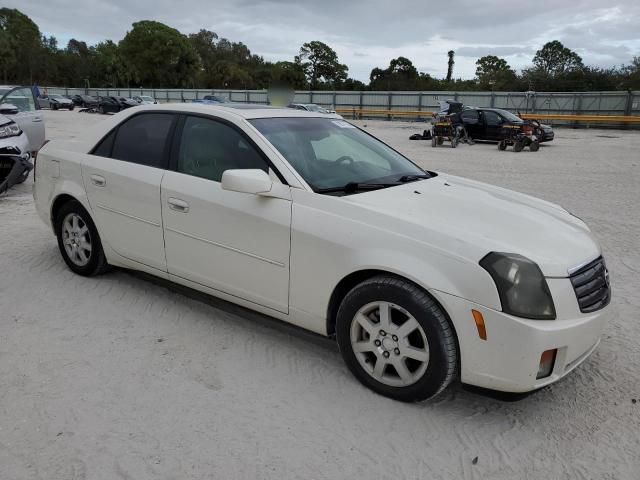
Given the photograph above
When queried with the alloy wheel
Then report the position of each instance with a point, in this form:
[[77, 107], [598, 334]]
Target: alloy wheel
[[390, 344], [76, 239]]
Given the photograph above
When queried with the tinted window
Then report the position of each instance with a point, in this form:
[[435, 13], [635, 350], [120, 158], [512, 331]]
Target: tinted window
[[142, 139], [104, 147], [470, 116], [493, 119], [208, 148]]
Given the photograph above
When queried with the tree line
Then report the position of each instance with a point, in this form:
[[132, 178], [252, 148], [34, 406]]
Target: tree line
[[155, 55]]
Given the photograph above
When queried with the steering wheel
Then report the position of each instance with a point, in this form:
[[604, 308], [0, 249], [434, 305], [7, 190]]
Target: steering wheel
[[344, 158]]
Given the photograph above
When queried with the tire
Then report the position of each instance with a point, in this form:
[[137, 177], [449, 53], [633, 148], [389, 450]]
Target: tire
[[71, 108], [101, 109], [518, 145], [440, 140], [534, 146], [429, 333], [87, 264], [434, 141], [454, 142], [54, 107], [502, 145]]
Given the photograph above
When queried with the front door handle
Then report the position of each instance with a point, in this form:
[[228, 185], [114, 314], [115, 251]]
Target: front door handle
[[178, 205], [98, 181]]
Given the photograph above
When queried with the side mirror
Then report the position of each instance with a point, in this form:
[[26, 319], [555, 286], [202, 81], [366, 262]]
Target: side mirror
[[8, 109], [252, 181]]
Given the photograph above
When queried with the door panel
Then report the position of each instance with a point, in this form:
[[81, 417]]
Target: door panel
[[234, 242], [493, 123], [125, 199]]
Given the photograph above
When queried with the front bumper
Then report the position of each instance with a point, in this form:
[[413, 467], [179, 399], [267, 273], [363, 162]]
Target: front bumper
[[547, 136], [509, 358]]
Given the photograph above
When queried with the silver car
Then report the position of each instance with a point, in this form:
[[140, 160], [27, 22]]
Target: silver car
[[19, 104], [55, 101]]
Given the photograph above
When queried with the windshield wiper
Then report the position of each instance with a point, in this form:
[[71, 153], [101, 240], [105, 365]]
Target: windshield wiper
[[413, 178], [353, 187]]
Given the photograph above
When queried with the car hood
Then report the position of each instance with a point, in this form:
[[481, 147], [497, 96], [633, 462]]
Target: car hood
[[470, 219], [61, 100]]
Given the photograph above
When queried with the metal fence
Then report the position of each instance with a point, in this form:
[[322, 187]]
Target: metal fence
[[576, 103]]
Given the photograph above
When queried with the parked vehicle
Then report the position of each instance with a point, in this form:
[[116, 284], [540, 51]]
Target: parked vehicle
[[19, 104], [309, 107], [210, 99], [15, 159], [519, 135], [108, 105], [145, 99], [421, 276], [85, 101], [55, 101], [125, 102], [487, 123]]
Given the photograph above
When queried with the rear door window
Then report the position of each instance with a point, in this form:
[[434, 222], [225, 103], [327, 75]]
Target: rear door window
[[142, 139]]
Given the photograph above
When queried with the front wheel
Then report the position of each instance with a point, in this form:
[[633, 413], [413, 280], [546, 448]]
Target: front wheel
[[534, 146], [518, 145], [78, 240], [396, 340]]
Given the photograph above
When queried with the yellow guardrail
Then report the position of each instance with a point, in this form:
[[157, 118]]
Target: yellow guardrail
[[363, 112]]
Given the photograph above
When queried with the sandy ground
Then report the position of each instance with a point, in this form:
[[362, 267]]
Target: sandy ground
[[120, 377]]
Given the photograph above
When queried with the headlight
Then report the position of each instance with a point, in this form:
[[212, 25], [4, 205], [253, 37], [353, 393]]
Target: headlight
[[10, 130], [521, 285]]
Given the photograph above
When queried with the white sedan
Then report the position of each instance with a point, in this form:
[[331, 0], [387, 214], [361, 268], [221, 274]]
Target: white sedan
[[422, 277]]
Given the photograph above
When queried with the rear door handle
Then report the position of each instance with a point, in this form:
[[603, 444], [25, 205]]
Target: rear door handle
[[98, 181], [178, 205]]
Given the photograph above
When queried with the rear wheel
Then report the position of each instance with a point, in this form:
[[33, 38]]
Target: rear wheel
[[518, 146], [502, 145], [534, 146], [396, 340], [78, 240]]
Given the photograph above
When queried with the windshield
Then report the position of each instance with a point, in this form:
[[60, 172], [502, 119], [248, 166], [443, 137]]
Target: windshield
[[510, 117], [55, 95], [147, 99], [331, 153]]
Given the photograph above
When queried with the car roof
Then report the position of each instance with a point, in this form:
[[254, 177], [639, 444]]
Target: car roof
[[242, 110]]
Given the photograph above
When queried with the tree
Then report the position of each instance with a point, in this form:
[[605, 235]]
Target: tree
[[495, 73], [159, 55], [399, 75], [21, 49], [450, 64], [554, 59], [320, 63]]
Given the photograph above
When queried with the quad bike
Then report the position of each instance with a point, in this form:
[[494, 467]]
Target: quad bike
[[520, 136], [444, 130]]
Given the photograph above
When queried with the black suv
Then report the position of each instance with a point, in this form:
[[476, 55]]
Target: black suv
[[486, 124]]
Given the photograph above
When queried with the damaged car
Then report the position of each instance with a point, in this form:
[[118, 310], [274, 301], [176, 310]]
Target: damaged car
[[15, 160], [22, 133]]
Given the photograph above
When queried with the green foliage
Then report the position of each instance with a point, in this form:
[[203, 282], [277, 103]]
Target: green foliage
[[495, 73], [320, 64], [158, 55], [155, 55], [21, 48]]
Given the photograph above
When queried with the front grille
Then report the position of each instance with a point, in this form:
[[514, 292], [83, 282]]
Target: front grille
[[591, 284]]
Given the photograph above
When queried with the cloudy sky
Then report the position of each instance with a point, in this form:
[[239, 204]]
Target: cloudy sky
[[369, 33]]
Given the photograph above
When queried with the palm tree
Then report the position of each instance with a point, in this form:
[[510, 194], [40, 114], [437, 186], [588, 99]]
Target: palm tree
[[451, 54]]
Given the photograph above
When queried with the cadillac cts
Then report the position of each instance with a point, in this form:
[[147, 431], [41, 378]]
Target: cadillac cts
[[422, 277]]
